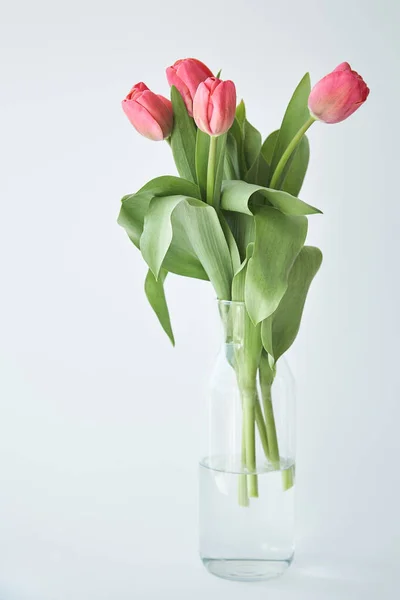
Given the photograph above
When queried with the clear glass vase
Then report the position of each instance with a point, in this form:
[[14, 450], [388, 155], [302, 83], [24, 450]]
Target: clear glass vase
[[246, 487]]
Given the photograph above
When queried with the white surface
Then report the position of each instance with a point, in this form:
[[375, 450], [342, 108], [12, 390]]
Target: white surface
[[100, 418]]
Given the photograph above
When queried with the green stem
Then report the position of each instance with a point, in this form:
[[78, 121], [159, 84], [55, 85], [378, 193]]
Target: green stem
[[250, 441], [212, 154], [288, 153], [270, 426], [261, 427], [243, 491]]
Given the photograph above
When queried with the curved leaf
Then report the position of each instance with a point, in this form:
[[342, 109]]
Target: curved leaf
[[243, 230], [239, 280], [154, 289], [233, 248], [280, 329], [131, 217], [236, 196], [278, 240], [180, 258], [296, 115], [200, 221], [168, 185], [157, 232], [183, 138]]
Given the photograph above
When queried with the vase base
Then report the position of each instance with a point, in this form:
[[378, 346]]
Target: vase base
[[246, 569]]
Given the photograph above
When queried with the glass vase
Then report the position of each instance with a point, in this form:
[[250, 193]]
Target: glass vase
[[246, 487]]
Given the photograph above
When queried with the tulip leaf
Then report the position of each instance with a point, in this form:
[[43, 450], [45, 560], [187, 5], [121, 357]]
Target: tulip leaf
[[295, 117], [157, 232], [243, 230], [296, 167], [219, 170], [230, 239], [268, 147], [154, 289], [200, 222], [278, 240], [258, 172], [240, 196], [131, 217], [251, 144], [236, 131], [180, 258], [280, 329], [202, 150], [232, 168], [183, 138], [239, 280], [241, 114], [168, 185]]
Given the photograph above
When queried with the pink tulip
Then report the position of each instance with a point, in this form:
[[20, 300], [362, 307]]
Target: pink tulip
[[150, 114], [214, 106], [338, 95], [186, 75]]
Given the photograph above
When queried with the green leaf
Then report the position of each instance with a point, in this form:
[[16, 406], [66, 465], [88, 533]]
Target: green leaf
[[243, 230], [239, 280], [183, 138], [233, 249], [296, 115], [241, 114], [280, 329], [154, 289], [239, 196], [180, 258], [258, 172], [232, 169], [219, 170], [200, 222], [202, 150], [296, 168], [131, 217], [237, 134], [157, 233], [251, 144], [218, 75], [207, 237], [168, 185], [278, 240], [268, 147]]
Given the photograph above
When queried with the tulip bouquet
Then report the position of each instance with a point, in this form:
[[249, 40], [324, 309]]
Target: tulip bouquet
[[233, 216]]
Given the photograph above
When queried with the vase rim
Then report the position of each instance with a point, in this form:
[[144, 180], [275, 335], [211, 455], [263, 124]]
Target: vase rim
[[230, 302]]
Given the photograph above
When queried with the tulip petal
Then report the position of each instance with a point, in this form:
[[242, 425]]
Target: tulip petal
[[223, 100], [174, 79], [200, 108], [142, 120]]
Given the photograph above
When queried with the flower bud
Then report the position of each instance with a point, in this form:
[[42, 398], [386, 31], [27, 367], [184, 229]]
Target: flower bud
[[186, 75], [337, 95], [214, 106], [150, 114]]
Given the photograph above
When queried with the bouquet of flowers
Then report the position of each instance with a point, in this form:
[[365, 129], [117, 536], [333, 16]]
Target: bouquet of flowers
[[233, 217]]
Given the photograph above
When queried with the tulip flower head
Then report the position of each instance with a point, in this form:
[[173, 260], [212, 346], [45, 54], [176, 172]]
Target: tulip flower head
[[150, 114], [338, 95], [186, 75], [214, 106]]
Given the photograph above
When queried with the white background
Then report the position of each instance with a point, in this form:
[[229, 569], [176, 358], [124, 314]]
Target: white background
[[100, 418]]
